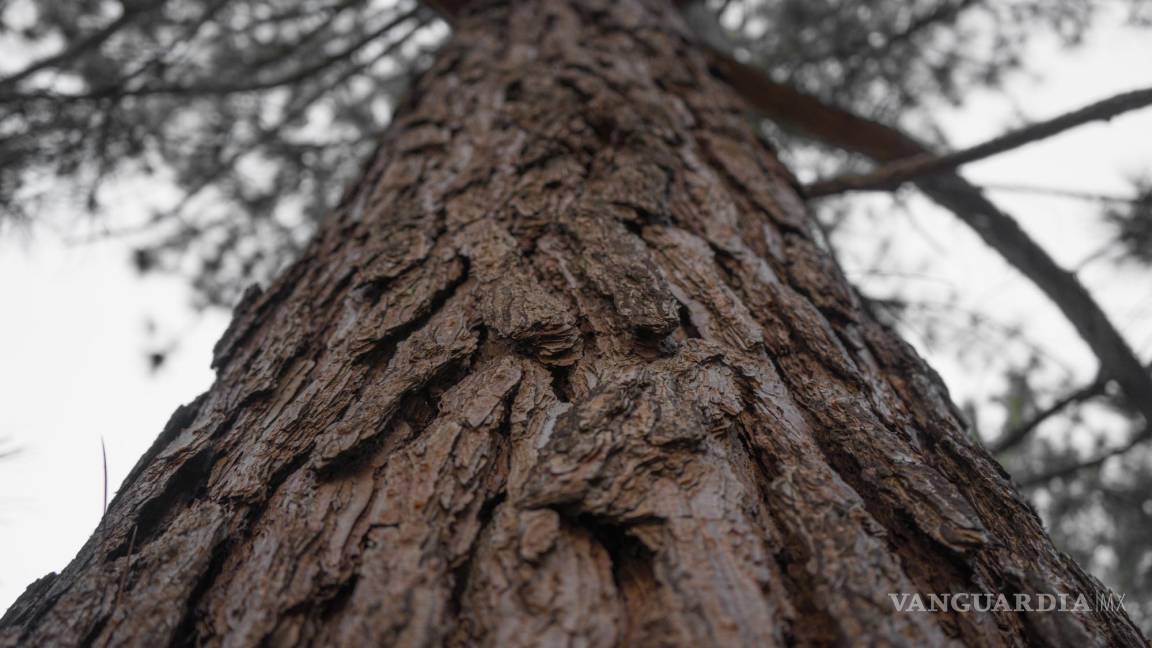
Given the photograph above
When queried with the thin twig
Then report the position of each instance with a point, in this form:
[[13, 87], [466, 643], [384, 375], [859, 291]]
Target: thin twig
[[1074, 194], [233, 87], [104, 460], [1018, 434], [93, 40], [1071, 469], [127, 566], [891, 176]]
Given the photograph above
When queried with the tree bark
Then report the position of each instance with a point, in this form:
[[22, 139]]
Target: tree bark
[[564, 368]]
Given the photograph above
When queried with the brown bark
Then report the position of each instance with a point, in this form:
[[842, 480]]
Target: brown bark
[[564, 368]]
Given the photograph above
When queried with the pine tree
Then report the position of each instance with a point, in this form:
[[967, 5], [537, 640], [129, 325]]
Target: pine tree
[[565, 367]]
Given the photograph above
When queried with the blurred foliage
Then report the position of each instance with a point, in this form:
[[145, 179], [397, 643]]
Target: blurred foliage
[[897, 61], [1132, 222], [249, 117], [1103, 517], [255, 112]]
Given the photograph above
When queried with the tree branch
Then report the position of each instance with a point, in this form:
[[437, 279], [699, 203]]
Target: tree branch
[[862, 46], [1021, 432], [893, 175], [95, 39], [814, 118], [1071, 469], [1017, 435], [1074, 194], [235, 87], [292, 112], [294, 76]]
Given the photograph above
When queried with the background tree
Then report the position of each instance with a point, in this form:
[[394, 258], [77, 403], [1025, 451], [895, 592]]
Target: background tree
[[259, 111]]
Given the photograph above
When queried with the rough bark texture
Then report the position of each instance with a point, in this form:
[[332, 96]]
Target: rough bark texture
[[565, 368]]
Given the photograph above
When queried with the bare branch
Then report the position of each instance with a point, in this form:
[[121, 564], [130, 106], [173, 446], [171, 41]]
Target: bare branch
[[228, 163], [814, 118], [922, 23], [226, 88], [1071, 469], [1063, 193], [891, 176], [863, 46], [296, 75], [89, 42], [1017, 435]]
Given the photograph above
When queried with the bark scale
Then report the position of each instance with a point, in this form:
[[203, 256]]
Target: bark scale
[[564, 368]]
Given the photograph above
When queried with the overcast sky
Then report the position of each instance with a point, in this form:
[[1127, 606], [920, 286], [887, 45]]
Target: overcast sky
[[72, 335]]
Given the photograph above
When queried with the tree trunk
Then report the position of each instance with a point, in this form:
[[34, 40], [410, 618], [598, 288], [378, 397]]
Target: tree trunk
[[564, 368]]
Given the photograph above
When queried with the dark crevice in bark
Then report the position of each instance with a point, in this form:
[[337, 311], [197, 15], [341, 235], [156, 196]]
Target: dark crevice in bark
[[930, 570], [736, 189], [686, 324], [187, 632], [580, 94], [513, 91], [264, 390], [414, 402], [418, 409], [331, 604], [651, 345], [462, 572], [463, 189], [561, 381], [645, 217], [725, 262], [504, 432], [379, 357], [94, 633], [383, 349], [635, 226], [428, 149], [275, 481], [185, 484], [812, 625], [324, 604], [183, 417], [932, 566], [633, 573], [555, 151], [340, 289], [371, 291], [848, 468]]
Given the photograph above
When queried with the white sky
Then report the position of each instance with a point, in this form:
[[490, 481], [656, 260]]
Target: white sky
[[72, 332]]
